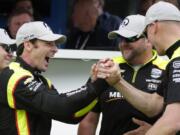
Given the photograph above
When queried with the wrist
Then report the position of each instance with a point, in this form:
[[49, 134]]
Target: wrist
[[118, 82]]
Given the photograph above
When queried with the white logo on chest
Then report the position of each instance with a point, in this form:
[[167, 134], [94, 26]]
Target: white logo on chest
[[115, 95], [156, 73]]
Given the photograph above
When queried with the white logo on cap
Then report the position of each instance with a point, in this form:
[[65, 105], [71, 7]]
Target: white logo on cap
[[5, 32], [29, 37], [124, 23], [46, 26]]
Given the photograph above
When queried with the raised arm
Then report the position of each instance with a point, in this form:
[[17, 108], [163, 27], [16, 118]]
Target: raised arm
[[149, 104], [69, 107]]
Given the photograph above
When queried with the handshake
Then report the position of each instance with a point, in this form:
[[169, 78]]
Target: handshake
[[108, 70]]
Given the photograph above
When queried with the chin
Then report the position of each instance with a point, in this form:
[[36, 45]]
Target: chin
[[44, 69]]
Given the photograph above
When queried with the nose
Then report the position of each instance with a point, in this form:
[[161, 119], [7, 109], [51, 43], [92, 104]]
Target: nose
[[10, 55], [54, 48]]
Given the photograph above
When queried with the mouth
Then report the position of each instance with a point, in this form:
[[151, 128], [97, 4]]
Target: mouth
[[47, 59], [127, 48]]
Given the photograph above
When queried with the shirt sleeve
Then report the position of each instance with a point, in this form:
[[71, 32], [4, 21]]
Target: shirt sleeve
[[173, 82], [36, 97], [97, 108]]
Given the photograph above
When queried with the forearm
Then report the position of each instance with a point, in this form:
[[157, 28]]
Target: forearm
[[88, 129], [81, 99], [169, 123], [89, 124], [161, 128], [149, 104]]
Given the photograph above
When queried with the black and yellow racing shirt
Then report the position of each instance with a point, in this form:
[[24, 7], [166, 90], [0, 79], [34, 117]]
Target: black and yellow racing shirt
[[28, 101], [172, 90], [117, 113]]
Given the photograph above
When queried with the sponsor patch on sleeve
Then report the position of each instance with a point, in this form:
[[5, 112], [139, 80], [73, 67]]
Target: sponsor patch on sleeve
[[176, 64], [32, 84], [176, 72]]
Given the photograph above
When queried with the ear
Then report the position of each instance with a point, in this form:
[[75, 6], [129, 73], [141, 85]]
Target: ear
[[28, 46], [148, 43]]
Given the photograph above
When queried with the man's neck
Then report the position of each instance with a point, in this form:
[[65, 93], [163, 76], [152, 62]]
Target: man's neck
[[172, 48]]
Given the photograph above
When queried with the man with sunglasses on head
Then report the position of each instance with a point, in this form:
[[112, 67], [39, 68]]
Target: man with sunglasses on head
[[162, 27], [28, 100], [6, 51], [163, 30], [141, 67]]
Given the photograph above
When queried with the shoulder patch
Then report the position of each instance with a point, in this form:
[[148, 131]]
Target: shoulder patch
[[28, 80], [176, 64]]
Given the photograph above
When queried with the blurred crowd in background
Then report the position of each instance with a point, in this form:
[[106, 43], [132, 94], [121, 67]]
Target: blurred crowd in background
[[85, 22]]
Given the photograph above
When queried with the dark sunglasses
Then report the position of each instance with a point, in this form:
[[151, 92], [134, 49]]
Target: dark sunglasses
[[145, 33], [9, 48], [132, 39]]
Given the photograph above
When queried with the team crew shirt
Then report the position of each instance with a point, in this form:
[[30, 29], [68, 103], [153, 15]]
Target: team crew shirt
[[172, 91], [117, 113], [29, 101]]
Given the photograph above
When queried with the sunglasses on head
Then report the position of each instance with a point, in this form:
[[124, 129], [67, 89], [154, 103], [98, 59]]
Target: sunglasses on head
[[145, 33], [8, 48], [132, 39]]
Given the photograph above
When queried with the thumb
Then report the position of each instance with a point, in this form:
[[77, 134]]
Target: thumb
[[138, 122]]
